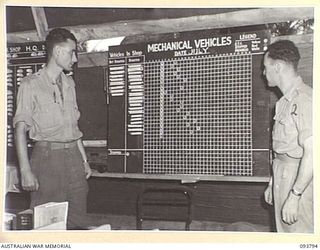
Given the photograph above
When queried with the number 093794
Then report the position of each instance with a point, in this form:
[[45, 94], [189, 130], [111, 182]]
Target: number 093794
[[308, 246]]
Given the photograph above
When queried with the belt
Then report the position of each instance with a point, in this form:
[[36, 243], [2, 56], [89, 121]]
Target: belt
[[56, 145], [287, 158]]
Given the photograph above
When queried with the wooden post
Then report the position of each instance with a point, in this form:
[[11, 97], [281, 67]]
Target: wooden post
[[40, 21]]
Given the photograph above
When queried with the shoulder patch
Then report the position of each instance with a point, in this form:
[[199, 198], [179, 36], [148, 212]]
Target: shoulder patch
[[30, 78]]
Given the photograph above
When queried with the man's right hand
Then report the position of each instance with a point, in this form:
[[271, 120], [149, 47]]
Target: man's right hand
[[268, 197], [29, 181]]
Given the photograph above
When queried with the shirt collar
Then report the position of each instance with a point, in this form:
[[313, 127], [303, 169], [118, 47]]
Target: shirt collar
[[44, 74], [292, 91]]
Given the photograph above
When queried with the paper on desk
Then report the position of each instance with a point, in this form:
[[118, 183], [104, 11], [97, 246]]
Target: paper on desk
[[52, 215]]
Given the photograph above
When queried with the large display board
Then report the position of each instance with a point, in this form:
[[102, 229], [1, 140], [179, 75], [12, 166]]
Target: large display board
[[22, 60], [189, 106]]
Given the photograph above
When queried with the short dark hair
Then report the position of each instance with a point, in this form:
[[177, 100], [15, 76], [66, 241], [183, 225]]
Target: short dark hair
[[285, 50], [56, 36]]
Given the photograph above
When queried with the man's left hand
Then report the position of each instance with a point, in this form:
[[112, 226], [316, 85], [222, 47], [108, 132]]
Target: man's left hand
[[290, 209]]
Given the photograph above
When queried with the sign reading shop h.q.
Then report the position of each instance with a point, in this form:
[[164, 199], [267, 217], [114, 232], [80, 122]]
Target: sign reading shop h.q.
[[26, 51], [249, 42]]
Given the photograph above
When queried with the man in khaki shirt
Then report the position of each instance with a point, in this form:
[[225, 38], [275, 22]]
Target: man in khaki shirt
[[290, 189], [48, 111]]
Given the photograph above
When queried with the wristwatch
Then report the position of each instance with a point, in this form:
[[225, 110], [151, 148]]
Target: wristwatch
[[295, 192]]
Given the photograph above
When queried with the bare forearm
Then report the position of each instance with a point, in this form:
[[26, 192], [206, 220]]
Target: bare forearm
[[86, 165], [28, 180], [82, 150], [21, 146], [305, 172]]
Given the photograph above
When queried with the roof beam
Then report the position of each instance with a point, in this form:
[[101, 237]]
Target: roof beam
[[40, 21], [133, 28]]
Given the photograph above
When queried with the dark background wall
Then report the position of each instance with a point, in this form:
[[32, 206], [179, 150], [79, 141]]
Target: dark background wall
[[91, 102]]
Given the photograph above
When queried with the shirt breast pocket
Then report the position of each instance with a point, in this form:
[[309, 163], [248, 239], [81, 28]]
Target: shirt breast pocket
[[288, 127], [49, 117]]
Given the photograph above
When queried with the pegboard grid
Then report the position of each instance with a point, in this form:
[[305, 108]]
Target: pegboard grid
[[198, 116]]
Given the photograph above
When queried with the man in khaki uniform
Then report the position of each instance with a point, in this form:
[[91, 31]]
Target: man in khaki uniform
[[290, 189], [47, 109]]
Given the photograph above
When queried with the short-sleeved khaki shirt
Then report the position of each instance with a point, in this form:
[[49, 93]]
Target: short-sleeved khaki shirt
[[49, 115], [293, 120]]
